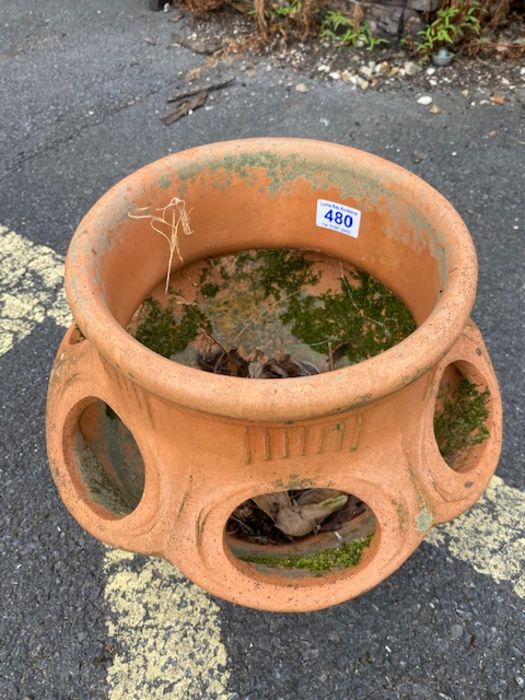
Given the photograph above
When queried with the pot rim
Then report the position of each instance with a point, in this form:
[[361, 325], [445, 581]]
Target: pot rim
[[298, 398]]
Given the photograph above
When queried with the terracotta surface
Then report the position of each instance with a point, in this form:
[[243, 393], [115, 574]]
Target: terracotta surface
[[208, 441]]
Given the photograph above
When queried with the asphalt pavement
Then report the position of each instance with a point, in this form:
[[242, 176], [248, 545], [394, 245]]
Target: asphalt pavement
[[82, 95]]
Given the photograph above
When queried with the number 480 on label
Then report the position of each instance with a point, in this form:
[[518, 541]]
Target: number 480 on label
[[338, 217]]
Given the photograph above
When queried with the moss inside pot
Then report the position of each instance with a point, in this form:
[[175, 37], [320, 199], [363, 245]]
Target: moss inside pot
[[271, 314]]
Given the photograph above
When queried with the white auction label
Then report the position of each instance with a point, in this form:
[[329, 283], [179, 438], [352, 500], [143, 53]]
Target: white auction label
[[338, 217]]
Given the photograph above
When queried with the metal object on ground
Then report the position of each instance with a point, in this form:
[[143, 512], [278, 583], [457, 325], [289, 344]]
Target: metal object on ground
[[443, 57]]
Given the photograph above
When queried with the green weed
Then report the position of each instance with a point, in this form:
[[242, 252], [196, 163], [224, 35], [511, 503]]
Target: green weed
[[291, 8], [450, 26], [462, 421], [346, 31]]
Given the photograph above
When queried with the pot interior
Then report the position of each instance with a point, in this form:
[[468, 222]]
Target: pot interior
[[270, 314], [301, 532], [106, 462], [462, 416]]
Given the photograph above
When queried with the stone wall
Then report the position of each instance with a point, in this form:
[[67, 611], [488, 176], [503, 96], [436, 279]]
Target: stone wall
[[391, 17]]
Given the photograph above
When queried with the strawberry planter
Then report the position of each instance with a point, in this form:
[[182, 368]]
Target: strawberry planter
[[161, 458]]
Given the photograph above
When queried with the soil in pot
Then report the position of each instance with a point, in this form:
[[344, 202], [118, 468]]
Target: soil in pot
[[271, 314]]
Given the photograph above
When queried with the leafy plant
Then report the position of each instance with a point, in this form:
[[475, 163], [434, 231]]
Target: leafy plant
[[452, 23], [348, 31], [291, 8], [461, 423]]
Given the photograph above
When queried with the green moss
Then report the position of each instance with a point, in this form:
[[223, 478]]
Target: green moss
[[164, 181], [283, 271], [423, 520], [295, 481], [462, 421], [268, 288], [282, 169], [321, 562], [362, 320], [110, 413], [274, 271], [210, 289], [402, 514], [161, 332]]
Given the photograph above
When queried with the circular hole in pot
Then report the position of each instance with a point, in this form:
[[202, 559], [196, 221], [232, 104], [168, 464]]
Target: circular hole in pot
[[461, 416], [271, 314], [301, 532], [109, 462]]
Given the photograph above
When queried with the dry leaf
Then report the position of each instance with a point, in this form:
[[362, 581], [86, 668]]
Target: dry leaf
[[304, 516], [497, 99], [219, 361], [272, 503], [316, 496], [185, 107], [435, 110], [280, 367], [352, 508]]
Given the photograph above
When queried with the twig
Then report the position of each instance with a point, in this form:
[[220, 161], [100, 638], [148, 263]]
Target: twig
[[206, 331], [218, 362], [331, 363], [185, 107], [224, 353], [178, 299], [260, 12], [205, 88], [269, 309], [244, 526], [360, 311], [179, 218], [188, 276]]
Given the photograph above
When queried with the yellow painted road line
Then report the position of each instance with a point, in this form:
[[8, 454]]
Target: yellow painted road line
[[491, 536], [31, 288], [166, 630]]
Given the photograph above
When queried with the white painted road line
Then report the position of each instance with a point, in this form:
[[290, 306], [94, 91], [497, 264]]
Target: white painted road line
[[491, 536], [166, 630], [31, 288]]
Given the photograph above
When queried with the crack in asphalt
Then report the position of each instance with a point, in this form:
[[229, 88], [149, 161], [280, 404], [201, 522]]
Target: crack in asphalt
[[51, 145]]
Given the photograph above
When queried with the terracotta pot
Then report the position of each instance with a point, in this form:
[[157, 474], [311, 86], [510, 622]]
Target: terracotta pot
[[207, 441]]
